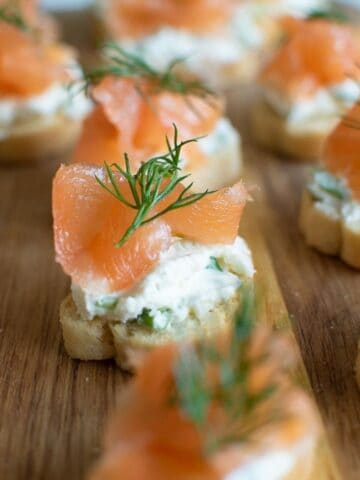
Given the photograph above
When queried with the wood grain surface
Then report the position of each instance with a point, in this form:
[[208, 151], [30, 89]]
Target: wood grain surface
[[53, 409]]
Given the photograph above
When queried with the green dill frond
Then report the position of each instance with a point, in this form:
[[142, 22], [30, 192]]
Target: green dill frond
[[331, 13], [196, 394], [10, 13], [121, 63], [155, 180]]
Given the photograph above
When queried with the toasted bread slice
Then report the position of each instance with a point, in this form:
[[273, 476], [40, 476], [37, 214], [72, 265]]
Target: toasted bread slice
[[127, 342], [272, 132], [38, 139], [329, 231]]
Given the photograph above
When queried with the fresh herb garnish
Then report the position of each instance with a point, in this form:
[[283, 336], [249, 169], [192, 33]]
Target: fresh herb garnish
[[165, 310], [331, 184], [11, 13], [330, 13], [121, 63], [244, 408], [155, 180], [214, 264], [107, 303], [145, 318]]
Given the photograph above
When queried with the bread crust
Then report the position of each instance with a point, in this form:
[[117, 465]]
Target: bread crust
[[99, 339], [328, 232], [272, 132], [39, 139]]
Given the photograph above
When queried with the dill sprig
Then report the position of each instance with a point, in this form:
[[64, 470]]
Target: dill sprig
[[121, 63], [11, 13], [330, 13], [155, 180], [196, 395]]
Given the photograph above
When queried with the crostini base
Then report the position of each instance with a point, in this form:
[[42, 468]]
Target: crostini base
[[272, 132], [330, 234], [99, 339], [39, 139]]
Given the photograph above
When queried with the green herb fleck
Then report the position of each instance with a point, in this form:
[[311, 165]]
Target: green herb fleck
[[107, 303], [155, 180], [145, 318], [331, 184], [214, 264]]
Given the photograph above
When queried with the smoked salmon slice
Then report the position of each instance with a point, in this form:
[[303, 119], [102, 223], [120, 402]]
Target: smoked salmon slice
[[341, 151], [89, 221], [318, 54], [213, 219], [136, 18], [25, 69], [142, 115]]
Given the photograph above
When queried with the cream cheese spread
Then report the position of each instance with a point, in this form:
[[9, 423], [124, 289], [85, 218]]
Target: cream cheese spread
[[191, 279], [274, 465]]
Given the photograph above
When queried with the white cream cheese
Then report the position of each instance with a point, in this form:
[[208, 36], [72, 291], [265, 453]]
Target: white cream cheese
[[203, 55], [317, 112], [57, 99], [190, 280], [274, 465]]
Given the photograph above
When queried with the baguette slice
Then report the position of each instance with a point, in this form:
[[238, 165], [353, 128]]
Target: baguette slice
[[127, 342], [272, 132], [328, 231], [35, 140]]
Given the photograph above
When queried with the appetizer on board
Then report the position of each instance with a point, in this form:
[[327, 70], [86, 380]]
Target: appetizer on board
[[150, 261], [330, 211], [222, 41], [136, 107], [39, 116], [305, 88], [219, 40], [223, 411]]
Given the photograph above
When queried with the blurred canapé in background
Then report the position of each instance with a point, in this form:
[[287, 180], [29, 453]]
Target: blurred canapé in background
[[77, 4]]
